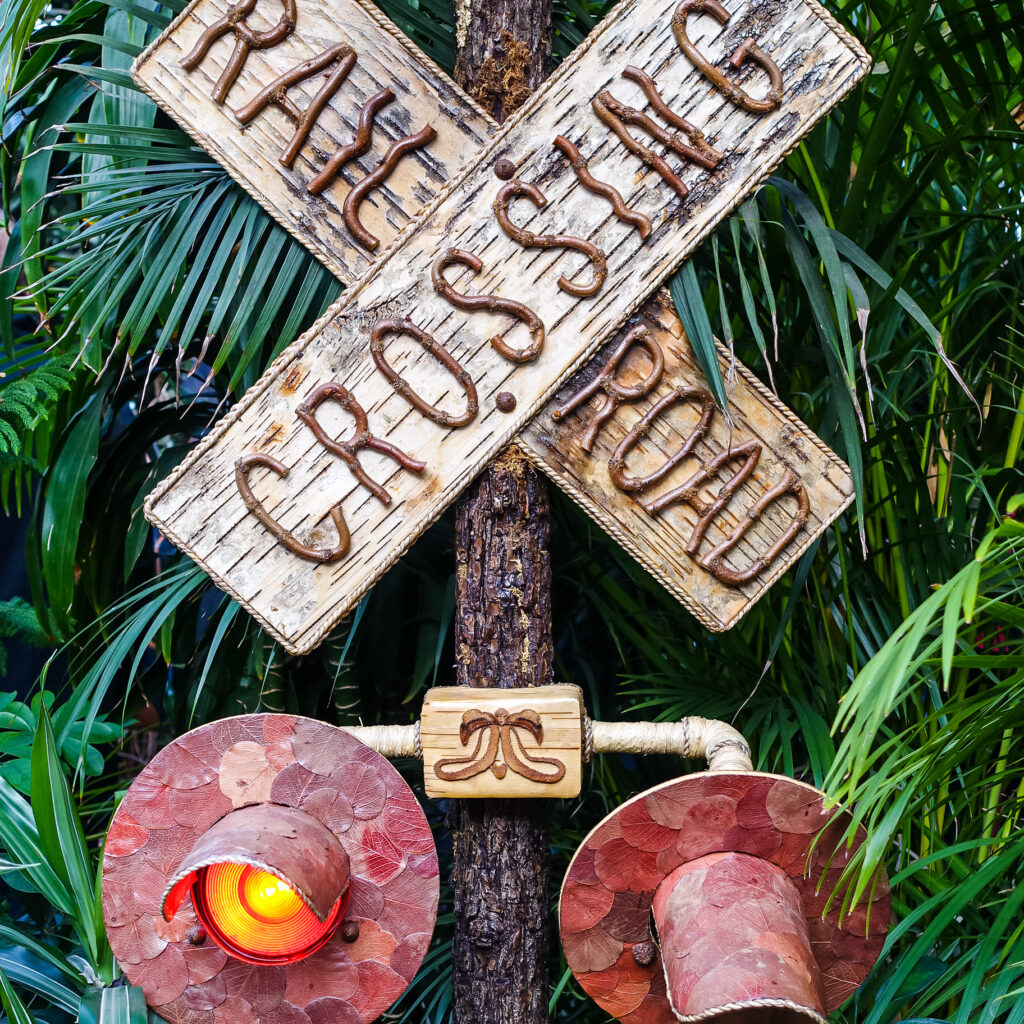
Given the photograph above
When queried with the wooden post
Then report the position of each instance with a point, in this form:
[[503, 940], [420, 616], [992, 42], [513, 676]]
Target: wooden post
[[504, 51], [500, 871]]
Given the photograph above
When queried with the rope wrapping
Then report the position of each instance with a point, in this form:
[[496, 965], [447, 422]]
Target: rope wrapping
[[389, 740], [725, 749]]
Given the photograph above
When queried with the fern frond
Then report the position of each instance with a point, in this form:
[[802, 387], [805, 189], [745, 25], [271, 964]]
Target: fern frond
[[18, 619], [27, 400]]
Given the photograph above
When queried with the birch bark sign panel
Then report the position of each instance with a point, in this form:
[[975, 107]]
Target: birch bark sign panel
[[323, 111], [367, 427], [715, 510]]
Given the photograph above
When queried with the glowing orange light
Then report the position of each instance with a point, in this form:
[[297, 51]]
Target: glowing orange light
[[257, 917]]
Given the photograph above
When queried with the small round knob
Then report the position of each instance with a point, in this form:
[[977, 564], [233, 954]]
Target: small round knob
[[645, 953]]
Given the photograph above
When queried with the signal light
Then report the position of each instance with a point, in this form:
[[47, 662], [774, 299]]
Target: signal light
[[258, 917], [269, 884], [736, 868], [269, 839]]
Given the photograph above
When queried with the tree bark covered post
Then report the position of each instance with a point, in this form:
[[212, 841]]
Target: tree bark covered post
[[504, 51], [500, 870]]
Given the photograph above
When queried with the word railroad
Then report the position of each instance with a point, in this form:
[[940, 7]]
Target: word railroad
[[517, 268]]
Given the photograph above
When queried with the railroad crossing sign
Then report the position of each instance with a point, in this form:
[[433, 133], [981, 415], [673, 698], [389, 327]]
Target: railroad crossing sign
[[502, 261]]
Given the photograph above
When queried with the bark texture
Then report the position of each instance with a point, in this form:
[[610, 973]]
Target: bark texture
[[503, 579], [504, 49], [501, 867]]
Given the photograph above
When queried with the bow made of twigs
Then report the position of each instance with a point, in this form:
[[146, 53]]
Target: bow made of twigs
[[500, 730]]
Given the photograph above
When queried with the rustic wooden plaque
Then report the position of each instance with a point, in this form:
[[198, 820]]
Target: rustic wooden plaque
[[295, 513], [381, 58], [502, 743], [762, 428]]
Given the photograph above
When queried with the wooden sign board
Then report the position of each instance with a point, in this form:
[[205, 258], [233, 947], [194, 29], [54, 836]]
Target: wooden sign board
[[672, 524], [367, 427], [502, 743], [287, 124]]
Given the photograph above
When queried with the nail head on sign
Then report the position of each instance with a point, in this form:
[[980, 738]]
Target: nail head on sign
[[504, 168], [645, 953], [505, 401]]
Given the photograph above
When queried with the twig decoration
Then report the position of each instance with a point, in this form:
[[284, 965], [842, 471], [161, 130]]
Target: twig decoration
[[492, 303], [529, 240], [291, 542]]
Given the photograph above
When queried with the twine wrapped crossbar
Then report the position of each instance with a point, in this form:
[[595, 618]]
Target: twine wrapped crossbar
[[724, 747], [389, 740]]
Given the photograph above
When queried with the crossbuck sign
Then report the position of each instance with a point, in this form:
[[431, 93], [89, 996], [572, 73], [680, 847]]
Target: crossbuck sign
[[504, 286]]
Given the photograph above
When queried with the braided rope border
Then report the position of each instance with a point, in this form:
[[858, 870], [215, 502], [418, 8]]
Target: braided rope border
[[745, 1004]]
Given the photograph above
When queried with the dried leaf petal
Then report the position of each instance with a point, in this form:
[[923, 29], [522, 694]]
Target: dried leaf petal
[[235, 1010], [793, 808], [137, 941], [168, 847], [328, 972], [261, 987], [200, 808], [148, 801], [163, 978], [592, 950], [240, 729], [334, 809], [639, 830], [361, 783], [125, 836], [372, 944], [332, 1011], [409, 954], [207, 995], [583, 906], [379, 987], [320, 748], [410, 904], [245, 774], [621, 867], [279, 728], [204, 962]]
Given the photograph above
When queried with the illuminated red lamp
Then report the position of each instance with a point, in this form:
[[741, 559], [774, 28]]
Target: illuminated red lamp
[[256, 916], [269, 884]]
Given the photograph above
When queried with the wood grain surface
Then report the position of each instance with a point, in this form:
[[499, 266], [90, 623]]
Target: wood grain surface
[[460, 732], [304, 488], [385, 58], [658, 541]]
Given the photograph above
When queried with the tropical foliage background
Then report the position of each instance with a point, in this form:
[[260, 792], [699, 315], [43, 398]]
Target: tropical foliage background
[[876, 284]]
